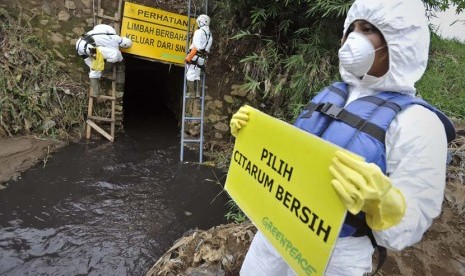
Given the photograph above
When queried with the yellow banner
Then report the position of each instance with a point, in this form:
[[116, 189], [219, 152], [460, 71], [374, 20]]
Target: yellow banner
[[155, 33], [279, 176]]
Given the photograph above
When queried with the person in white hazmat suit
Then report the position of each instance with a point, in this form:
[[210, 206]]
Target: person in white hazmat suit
[[102, 38], [410, 194], [195, 62], [198, 51]]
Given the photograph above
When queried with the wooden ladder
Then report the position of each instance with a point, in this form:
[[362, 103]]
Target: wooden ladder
[[92, 120]]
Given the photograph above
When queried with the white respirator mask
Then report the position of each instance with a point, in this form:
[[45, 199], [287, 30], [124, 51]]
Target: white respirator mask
[[357, 54]]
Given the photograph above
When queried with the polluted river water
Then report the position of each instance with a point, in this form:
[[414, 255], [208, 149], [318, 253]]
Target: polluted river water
[[100, 208]]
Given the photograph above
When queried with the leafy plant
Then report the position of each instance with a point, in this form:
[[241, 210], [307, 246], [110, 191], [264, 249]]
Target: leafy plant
[[293, 51], [235, 214]]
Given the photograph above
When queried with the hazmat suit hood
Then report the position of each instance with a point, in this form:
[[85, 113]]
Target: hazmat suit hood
[[404, 26]]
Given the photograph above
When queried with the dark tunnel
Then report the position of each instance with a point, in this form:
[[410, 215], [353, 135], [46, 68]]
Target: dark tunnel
[[152, 92]]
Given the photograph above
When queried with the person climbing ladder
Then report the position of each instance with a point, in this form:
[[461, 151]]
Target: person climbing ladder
[[99, 45]]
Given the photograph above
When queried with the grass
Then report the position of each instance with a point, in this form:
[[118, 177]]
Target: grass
[[443, 83], [235, 214]]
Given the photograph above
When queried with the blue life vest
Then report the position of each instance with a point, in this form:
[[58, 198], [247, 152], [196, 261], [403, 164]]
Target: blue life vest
[[359, 127]]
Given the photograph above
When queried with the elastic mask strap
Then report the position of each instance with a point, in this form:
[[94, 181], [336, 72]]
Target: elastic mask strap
[[384, 46]]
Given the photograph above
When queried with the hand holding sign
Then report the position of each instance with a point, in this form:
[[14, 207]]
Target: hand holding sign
[[363, 186], [239, 119]]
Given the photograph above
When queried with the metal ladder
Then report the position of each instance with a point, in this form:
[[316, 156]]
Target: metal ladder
[[199, 89], [91, 118], [189, 118]]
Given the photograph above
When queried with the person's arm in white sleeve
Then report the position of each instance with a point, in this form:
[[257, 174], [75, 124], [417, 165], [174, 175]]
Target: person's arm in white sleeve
[[200, 39], [416, 152], [197, 39], [194, 47], [111, 41]]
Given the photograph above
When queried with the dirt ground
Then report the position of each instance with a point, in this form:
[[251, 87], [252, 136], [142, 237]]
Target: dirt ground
[[20, 153], [221, 250]]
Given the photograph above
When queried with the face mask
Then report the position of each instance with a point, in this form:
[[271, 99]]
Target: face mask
[[357, 54]]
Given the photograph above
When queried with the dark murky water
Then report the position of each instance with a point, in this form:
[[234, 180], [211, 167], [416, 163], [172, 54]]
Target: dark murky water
[[107, 209]]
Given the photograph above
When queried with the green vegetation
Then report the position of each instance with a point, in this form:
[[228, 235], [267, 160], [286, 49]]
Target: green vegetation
[[289, 49], [36, 95], [443, 84], [235, 214]]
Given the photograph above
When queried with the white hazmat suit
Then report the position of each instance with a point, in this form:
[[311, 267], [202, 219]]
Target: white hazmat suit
[[202, 41], [107, 41], [416, 143]]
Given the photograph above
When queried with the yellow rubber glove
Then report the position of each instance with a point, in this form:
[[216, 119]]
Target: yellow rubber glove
[[239, 120], [363, 186]]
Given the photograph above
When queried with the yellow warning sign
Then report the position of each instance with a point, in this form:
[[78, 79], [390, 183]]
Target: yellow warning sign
[[155, 33], [279, 176]]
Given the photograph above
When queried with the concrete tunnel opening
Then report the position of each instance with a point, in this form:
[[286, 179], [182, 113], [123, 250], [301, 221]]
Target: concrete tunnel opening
[[152, 92]]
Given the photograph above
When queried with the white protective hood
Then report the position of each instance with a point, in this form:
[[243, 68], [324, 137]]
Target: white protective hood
[[404, 26]]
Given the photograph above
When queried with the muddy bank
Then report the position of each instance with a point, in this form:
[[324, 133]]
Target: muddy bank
[[20, 153]]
